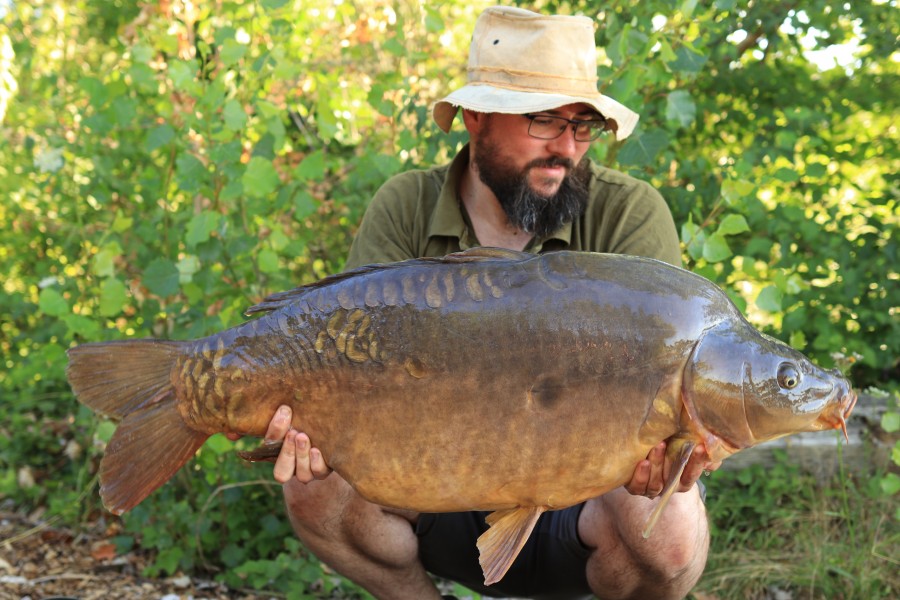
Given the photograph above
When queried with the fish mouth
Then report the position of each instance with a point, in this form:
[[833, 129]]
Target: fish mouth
[[842, 409]]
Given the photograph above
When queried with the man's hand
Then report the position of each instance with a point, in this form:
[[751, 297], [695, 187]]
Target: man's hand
[[297, 459], [650, 475]]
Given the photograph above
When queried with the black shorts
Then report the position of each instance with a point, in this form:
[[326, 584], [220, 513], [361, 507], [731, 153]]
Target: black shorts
[[552, 564]]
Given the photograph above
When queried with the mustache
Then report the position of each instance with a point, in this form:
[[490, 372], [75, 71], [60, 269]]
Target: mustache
[[553, 161]]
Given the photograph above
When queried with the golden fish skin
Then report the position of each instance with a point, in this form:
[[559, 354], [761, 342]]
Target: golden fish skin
[[488, 380]]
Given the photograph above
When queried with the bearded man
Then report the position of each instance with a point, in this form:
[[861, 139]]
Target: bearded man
[[523, 182]]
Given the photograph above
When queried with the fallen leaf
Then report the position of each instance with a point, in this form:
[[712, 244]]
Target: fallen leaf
[[103, 551]]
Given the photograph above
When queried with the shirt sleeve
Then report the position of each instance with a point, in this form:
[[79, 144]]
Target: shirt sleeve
[[387, 231], [635, 219]]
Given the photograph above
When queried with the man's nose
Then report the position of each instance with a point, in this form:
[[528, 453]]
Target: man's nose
[[565, 145]]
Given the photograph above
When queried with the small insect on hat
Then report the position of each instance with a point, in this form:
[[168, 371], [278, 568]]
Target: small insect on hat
[[522, 62]]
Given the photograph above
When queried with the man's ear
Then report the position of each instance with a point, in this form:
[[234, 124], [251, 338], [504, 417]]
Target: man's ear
[[474, 121]]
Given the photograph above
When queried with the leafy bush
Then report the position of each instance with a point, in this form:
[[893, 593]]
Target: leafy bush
[[167, 165]]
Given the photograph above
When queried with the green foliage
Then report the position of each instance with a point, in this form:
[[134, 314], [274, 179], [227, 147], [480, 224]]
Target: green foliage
[[777, 528], [167, 165]]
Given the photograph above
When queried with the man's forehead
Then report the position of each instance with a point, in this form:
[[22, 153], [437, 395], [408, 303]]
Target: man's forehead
[[580, 109]]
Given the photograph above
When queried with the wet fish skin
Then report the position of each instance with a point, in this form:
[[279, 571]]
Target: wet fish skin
[[593, 359]]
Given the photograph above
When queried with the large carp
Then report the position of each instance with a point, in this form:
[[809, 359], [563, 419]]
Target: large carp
[[489, 379]]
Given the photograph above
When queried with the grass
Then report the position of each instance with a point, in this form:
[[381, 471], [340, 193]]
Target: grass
[[777, 532]]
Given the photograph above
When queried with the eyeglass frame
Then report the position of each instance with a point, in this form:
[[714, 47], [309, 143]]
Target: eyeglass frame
[[569, 122]]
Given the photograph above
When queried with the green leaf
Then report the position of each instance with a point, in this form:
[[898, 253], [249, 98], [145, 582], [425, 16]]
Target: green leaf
[[52, 303], [125, 110], [201, 226], [687, 60], [187, 266], [890, 421], [184, 75], [161, 278], [105, 431], [103, 263], [219, 444], [680, 108], [234, 115], [190, 172], [311, 167], [260, 179], [122, 223], [642, 149], [274, 4], [232, 51], [268, 261], [113, 296], [787, 175], [770, 298], [733, 224], [434, 23], [95, 89], [79, 325], [393, 46], [716, 249], [304, 205], [158, 137], [890, 484], [735, 191]]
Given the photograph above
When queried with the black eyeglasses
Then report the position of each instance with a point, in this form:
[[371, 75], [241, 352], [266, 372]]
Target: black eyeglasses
[[549, 127]]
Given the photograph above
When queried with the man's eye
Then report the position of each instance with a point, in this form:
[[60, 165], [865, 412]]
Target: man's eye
[[543, 120]]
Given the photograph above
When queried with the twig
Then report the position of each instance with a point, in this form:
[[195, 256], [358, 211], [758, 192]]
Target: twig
[[32, 531], [216, 492], [47, 578]]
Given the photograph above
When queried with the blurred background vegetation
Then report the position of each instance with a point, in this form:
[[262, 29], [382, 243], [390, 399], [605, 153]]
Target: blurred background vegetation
[[164, 165]]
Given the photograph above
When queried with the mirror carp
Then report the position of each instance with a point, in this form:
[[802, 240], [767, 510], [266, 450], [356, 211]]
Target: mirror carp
[[483, 380]]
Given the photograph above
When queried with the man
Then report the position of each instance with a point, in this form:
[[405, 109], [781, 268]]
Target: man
[[531, 108]]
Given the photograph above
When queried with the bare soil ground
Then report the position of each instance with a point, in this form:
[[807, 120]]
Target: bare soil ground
[[41, 562]]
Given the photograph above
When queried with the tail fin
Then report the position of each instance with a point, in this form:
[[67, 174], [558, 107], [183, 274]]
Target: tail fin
[[131, 380]]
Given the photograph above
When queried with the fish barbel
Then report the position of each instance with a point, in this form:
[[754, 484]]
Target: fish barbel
[[484, 380]]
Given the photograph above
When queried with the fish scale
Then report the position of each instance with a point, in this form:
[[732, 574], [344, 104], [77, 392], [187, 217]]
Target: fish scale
[[489, 380]]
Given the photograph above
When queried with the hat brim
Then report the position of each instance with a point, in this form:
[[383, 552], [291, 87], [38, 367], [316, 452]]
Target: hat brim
[[491, 99]]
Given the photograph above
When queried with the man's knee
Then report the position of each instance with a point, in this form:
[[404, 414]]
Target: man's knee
[[624, 564]]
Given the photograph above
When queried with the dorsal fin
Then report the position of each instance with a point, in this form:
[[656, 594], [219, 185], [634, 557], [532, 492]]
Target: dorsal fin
[[480, 254]]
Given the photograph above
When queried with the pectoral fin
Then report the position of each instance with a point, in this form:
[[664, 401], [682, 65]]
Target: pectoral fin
[[499, 545], [684, 449], [265, 452]]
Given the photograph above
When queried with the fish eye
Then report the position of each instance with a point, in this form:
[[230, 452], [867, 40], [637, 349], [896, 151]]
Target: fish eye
[[788, 376]]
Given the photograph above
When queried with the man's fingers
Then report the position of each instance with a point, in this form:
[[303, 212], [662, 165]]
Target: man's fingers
[[286, 463], [280, 424], [638, 484], [656, 482], [317, 464]]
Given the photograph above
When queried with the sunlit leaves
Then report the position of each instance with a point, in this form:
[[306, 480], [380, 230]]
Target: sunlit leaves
[[688, 60], [52, 303], [770, 298], [261, 178], [201, 226], [642, 148], [113, 295]]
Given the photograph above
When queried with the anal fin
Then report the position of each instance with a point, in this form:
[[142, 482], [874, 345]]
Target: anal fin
[[499, 545], [684, 449]]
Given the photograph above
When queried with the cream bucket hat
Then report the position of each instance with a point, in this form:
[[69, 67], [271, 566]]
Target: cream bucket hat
[[522, 62]]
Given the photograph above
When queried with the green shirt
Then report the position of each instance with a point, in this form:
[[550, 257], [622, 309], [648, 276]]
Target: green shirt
[[417, 214]]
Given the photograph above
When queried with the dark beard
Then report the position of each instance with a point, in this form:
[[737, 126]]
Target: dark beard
[[526, 209]]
